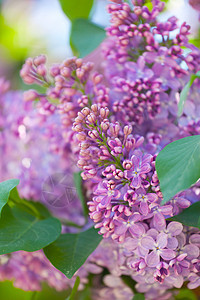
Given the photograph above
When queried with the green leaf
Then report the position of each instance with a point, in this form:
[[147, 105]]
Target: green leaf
[[75, 9], [86, 36], [178, 166], [69, 252], [189, 216], [22, 231], [185, 91], [139, 297], [5, 188], [79, 187], [186, 294], [75, 289]]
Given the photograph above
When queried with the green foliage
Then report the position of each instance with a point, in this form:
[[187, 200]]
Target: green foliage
[[5, 188], [75, 289], [86, 36], [189, 216], [75, 9], [185, 91], [22, 231], [70, 251], [186, 294], [139, 297], [79, 187], [178, 166], [11, 46]]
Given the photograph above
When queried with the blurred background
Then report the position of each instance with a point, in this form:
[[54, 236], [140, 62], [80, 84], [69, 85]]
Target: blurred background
[[32, 27]]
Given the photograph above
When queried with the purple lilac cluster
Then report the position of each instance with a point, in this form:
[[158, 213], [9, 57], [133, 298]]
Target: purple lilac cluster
[[114, 126], [145, 70]]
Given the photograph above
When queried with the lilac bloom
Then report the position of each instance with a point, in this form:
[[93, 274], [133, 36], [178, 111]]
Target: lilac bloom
[[158, 213], [104, 195], [194, 281], [140, 167], [180, 265], [159, 249], [160, 57], [162, 270], [179, 202], [173, 229], [138, 70], [122, 225], [168, 79], [144, 199], [191, 250], [116, 146]]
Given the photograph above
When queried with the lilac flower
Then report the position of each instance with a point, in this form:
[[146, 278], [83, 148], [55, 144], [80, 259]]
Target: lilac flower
[[143, 199], [159, 249], [138, 70], [194, 281], [191, 250], [160, 58], [140, 167], [180, 265], [158, 213], [173, 229], [104, 195], [131, 225]]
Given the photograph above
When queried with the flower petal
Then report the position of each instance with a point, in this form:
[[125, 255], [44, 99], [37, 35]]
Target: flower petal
[[148, 242], [172, 243], [152, 259], [167, 254], [162, 240], [175, 228]]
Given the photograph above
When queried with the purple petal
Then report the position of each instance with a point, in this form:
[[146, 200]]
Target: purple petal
[[153, 233], [192, 251], [135, 217], [128, 174], [144, 208], [136, 229], [141, 63], [148, 242], [120, 230], [166, 210], [153, 259], [175, 228], [145, 168], [150, 56], [162, 240], [159, 221], [172, 243], [152, 197], [167, 254], [147, 158], [136, 182], [130, 243], [142, 251], [195, 239], [135, 161]]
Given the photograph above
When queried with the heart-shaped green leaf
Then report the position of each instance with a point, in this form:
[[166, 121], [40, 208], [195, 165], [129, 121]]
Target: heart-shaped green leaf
[[189, 216], [20, 230], [75, 9], [178, 166], [69, 252], [185, 91], [86, 36], [5, 188]]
